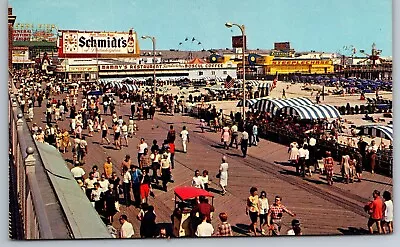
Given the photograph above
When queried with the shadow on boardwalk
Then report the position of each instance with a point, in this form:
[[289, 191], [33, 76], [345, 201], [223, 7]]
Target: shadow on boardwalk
[[353, 231]]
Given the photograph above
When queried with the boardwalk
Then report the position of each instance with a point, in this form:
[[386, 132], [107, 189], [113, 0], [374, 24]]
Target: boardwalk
[[320, 208]]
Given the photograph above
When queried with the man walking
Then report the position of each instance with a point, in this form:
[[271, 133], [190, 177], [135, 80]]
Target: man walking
[[275, 214], [185, 138], [235, 135], [126, 227], [244, 143], [255, 135], [375, 211]]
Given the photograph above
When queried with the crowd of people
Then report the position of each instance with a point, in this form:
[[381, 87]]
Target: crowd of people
[[106, 189]]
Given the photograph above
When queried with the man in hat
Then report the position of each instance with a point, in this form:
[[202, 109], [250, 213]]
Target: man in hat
[[77, 171]]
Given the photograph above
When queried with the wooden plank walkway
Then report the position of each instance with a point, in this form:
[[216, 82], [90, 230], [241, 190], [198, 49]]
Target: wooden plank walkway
[[318, 213]]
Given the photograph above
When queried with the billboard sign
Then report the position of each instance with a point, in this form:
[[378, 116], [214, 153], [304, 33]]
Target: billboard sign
[[237, 41], [98, 43], [282, 46], [32, 32]]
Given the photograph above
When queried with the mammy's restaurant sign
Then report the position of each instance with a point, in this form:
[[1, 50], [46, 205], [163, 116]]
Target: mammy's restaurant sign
[[162, 66], [79, 42]]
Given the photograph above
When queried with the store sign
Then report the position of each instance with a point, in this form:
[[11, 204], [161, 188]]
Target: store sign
[[281, 53], [305, 62], [99, 42], [82, 69], [163, 66], [20, 55]]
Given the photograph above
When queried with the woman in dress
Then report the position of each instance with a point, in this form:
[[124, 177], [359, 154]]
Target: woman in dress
[[96, 198], [65, 143], [293, 153], [165, 170], [124, 130], [110, 198], [223, 178], [90, 127], [253, 209], [117, 135], [264, 207], [225, 135], [328, 165], [345, 165], [104, 132], [59, 136], [131, 129], [145, 186]]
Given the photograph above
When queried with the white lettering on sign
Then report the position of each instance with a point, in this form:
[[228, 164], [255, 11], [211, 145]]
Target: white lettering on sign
[[164, 66]]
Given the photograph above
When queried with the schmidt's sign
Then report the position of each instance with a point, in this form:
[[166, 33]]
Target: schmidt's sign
[[98, 44]]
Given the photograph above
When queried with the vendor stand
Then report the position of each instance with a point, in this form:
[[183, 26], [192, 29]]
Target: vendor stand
[[185, 200]]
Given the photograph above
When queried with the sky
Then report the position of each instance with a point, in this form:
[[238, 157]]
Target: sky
[[320, 25]]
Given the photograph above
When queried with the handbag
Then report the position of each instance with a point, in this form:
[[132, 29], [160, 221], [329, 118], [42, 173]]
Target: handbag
[[218, 175], [116, 206]]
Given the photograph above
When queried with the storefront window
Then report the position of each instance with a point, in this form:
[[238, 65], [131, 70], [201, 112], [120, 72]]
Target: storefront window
[[200, 72]]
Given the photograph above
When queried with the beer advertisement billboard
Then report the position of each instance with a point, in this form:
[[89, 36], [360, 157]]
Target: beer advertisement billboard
[[237, 41], [76, 43], [282, 46]]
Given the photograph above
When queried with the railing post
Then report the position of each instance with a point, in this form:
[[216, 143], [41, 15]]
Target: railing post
[[20, 121], [30, 161]]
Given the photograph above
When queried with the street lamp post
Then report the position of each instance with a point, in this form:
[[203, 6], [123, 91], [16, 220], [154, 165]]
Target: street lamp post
[[153, 40], [242, 29]]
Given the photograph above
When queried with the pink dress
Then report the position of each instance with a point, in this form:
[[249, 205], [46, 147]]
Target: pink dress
[[225, 134]]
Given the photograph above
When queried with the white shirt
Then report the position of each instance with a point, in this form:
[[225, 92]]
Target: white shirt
[[264, 205], [127, 177], [89, 183], [388, 211], [204, 230], [307, 154], [245, 135], [104, 185], [184, 135], [312, 141], [302, 153], [234, 128], [127, 230], [142, 147], [77, 172], [198, 182]]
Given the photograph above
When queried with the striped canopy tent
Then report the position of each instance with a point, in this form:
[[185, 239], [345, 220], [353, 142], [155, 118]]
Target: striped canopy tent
[[249, 102], [312, 111], [130, 87], [263, 85], [253, 83], [383, 131], [272, 105], [220, 79]]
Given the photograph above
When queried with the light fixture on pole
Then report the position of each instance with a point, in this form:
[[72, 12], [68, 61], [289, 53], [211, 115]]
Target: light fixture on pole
[[153, 40], [242, 29]]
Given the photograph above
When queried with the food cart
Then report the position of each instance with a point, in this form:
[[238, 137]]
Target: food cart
[[185, 200]]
